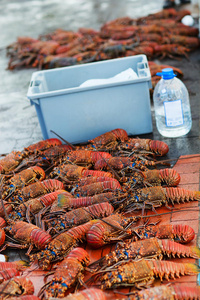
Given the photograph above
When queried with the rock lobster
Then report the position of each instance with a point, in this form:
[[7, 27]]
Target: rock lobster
[[102, 233], [16, 286], [149, 248], [156, 147], [10, 162], [22, 179], [173, 292], [143, 273], [109, 139], [35, 205], [28, 235], [36, 189], [73, 172], [71, 203], [97, 188], [165, 177], [67, 273], [157, 195], [11, 269], [80, 215]]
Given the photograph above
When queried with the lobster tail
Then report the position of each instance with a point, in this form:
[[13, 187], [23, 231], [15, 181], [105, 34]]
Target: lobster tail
[[158, 147], [2, 237], [99, 234], [42, 145], [187, 293], [40, 238], [168, 269], [179, 233], [81, 255], [178, 195], [120, 134], [169, 177], [178, 292], [171, 248]]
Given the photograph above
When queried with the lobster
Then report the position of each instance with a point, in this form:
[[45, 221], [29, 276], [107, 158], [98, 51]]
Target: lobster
[[18, 264], [123, 163], [71, 203], [156, 147], [87, 294], [191, 41], [23, 178], [155, 68], [45, 158], [185, 30], [36, 189], [40, 146], [107, 230], [97, 188], [143, 273], [16, 286], [163, 14], [28, 235], [11, 269], [2, 236], [10, 162], [61, 245], [35, 205], [74, 172], [173, 292], [164, 177], [81, 215], [2, 222], [101, 233], [109, 139], [149, 248], [94, 179], [5, 207], [170, 50], [67, 273], [85, 156], [157, 195]]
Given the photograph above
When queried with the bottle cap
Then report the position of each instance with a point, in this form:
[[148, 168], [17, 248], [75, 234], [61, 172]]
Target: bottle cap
[[167, 73]]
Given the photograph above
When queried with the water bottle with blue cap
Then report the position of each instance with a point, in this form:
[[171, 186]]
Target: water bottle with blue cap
[[172, 105]]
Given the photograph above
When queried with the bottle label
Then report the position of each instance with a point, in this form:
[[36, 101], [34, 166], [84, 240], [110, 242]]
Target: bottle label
[[173, 113]]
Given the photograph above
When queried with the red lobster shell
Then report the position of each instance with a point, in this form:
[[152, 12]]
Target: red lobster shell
[[17, 286], [179, 292], [143, 272], [67, 273], [110, 138], [152, 248]]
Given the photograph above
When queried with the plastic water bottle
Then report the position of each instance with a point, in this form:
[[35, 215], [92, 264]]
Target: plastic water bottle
[[172, 105]]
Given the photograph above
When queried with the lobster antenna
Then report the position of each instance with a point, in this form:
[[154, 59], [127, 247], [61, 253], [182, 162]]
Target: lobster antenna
[[68, 143], [172, 159], [166, 213]]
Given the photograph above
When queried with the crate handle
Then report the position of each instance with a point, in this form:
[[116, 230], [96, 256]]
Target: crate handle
[[142, 69], [35, 83]]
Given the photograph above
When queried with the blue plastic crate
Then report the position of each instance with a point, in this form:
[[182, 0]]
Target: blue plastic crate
[[82, 113]]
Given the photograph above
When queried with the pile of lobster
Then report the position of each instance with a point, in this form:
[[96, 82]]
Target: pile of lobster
[[157, 35], [56, 198]]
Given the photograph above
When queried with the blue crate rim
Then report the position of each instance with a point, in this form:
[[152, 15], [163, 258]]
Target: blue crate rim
[[30, 96]]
